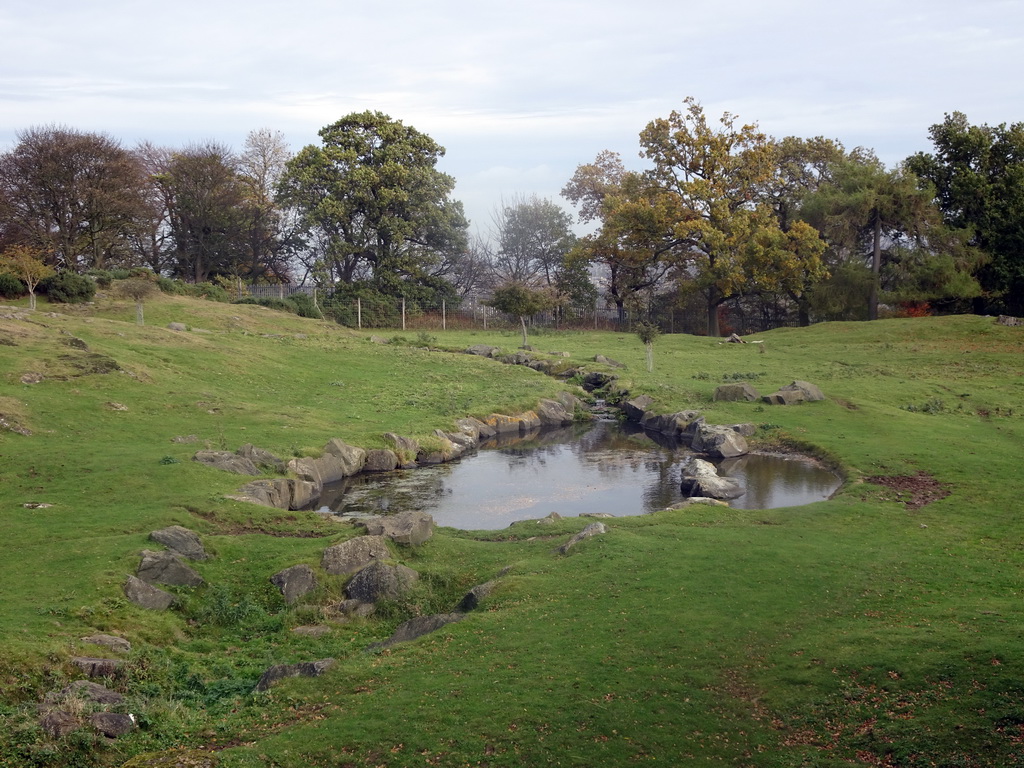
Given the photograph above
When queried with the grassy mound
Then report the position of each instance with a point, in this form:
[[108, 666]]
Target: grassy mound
[[866, 630]]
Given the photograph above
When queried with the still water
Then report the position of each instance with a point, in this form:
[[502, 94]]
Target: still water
[[600, 467]]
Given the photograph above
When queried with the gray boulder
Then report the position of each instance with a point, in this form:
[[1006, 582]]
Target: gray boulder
[[302, 669], [785, 397], [350, 458], [553, 413], [740, 391], [146, 595], [810, 392], [677, 425], [718, 441], [294, 582], [597, 380], [380, 460], [227, 461], [409, 529], [417, 627], [354, 554], [356, 609], [608, 361], [114, 643], [637, 407], [472, 599], [167, 568], [594, 529], [57, 723], [701, 478], [180, 540], [406, 448], [378, 581], [571, 402], [177, 326], [95, 667], [92, 692], [112, 724], [281, 492], [261, 458], [483, 350]]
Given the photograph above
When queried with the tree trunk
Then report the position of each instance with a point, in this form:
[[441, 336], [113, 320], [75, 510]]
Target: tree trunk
[[522, 322], [31, 299], [714, 301], [139, 320], [876, 269], [650, 356]]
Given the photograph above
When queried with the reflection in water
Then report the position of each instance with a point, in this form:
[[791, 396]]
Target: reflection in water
[[584, 468]]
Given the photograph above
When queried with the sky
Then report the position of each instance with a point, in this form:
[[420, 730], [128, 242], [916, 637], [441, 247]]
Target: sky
[[519, 93]]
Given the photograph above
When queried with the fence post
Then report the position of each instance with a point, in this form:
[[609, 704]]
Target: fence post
[[359, 314], [485, 318], [280, 291], [403, 313], [239, 284], [595, 315], [444, 315]]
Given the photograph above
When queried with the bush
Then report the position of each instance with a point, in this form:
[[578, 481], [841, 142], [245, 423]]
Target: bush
[[197, 290], [68, 288], [265, 301], [304, 305], [102, 277], [11, 287]]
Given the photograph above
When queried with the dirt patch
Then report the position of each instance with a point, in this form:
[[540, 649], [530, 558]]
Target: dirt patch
[[913, 491]]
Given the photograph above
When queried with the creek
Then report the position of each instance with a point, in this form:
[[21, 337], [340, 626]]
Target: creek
[[600, 466]]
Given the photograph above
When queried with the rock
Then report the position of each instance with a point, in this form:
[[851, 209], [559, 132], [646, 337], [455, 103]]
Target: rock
[[282, 493], [637, 407], [378, 340], [167, 568], [406, 448], [261, 458], [92, 692], [734, 339], [571, 402], [788, 397], [471, 600], [112, 724], [147, 596], [409, 529], [294, 582], [117, 406], [447, 452], [719, 441], [94, 667], [302, 669], [350, 457], [181, 541], [553, 413], [57, 724], [114, 643], [598, 515], [227, 462], [355, 608], [378, 581], [417, 627], [676, 425], [701, 478], [737, 392], [544, 366], [701, 500], [810, 391], [747, 430], [608, 361], [597, 380], [483, 350], [177, 326], [31, 378], [380, 460], [594, 529], [517, 358], [505, 425], [551, 519], [354, 554], [311, 630], [470, 428], [185, 439]]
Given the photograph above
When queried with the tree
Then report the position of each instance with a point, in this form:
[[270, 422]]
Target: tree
[[604, 192], [266, 228], [205, 199], [520, 301], [26, 264], [73, 195], [648, 333], [374, 207], [138, 289], [533, 236], [886, 220], [978, 177], [705, 209]]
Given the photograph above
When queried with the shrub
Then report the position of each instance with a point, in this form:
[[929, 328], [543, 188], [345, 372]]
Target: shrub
[[265, 301], [102, 277], [11, 287], [304, 305], [68, 288]]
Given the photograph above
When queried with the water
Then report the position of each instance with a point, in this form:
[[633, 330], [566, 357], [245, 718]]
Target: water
[[600, 467]]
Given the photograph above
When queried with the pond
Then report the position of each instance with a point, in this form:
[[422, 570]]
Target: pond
[[597, 467]]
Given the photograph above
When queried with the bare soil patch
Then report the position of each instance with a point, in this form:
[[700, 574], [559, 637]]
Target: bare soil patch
[[913, 491]]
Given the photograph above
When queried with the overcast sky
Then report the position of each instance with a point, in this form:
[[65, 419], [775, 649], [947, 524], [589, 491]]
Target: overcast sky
[[519, 93]]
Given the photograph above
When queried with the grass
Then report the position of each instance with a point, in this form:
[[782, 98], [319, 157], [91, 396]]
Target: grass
[[853, 632]]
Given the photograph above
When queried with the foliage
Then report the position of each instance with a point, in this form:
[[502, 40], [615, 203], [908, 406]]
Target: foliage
[[11, 287], [533, 237], [520, 301], [138, 289], [25, 265], [977, 172], [373, 206], [304, 306], [267, 301], [648, 333], [68, 288]]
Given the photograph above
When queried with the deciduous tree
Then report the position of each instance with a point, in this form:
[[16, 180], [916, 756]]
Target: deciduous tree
[[520, 301], [26, 264]]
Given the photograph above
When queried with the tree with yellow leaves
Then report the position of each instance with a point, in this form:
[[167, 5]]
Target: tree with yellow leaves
[[27, 265]]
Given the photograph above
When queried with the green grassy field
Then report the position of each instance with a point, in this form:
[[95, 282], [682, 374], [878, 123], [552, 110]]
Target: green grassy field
[[853, 632]]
